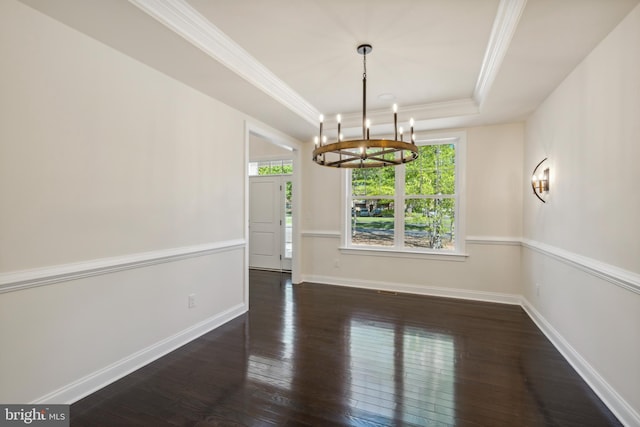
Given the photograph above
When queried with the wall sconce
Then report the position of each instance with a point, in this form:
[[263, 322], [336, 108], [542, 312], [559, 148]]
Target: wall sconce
[[540, 181]]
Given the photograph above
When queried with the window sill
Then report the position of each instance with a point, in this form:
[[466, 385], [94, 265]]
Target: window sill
[[404, 253]]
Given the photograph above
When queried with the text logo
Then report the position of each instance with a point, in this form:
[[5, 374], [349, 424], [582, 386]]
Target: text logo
[[34, 415]]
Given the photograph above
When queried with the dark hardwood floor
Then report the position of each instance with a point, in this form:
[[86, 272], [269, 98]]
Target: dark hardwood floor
[[329, 356]]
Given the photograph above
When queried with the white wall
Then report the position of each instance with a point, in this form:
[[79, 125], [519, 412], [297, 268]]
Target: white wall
[[108, 169], [262, 149], [494, 174], [493, 220], [582, 247], [105, 162]]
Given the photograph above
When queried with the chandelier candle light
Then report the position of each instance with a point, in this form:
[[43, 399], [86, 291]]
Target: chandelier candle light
[[365, 152]]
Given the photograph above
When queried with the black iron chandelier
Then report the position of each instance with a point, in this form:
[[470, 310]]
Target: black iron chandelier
[[365, 152]]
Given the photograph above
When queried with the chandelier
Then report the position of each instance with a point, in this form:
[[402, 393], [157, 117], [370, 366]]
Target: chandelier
[[365, 152]]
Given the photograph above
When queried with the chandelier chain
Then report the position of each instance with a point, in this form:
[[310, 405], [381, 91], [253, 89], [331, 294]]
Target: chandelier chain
[[364, 61]]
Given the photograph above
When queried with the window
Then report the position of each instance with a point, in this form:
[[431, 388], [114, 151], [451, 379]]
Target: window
[[273, 167], [412, 207]]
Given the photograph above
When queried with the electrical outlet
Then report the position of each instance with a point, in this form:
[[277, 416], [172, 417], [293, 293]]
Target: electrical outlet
[[538, 289], [192, 300], [336, 263]]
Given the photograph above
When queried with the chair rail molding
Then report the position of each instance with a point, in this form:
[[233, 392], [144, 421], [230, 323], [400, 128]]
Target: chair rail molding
[[616, 275], [24, 279], [493, 240], [331, 234]]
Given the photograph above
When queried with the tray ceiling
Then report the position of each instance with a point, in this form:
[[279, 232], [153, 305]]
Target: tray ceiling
[[447, 63]]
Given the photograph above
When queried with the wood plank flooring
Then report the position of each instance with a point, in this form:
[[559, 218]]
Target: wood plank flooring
[[317, 355]]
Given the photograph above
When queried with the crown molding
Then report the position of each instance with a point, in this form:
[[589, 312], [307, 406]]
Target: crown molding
[[436, 110], [504, 26], [433, 110], [185, 21]]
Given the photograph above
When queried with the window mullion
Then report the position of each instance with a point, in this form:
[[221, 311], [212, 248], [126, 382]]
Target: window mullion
[[349, 209], [399, 201], [435, 221]]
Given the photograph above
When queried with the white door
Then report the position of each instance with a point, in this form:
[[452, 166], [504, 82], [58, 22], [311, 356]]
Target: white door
[[265, 229]]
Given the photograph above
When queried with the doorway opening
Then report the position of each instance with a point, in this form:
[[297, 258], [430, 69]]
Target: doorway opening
[[271, 213]]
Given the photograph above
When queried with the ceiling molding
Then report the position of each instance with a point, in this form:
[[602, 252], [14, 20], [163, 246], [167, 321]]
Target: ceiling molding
[[433, 110], [504, 26], [184, 20], [524, 53]]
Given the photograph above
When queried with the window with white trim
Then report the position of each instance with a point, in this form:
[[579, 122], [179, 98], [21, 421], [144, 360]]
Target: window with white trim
[[411, 207], [271, 167]]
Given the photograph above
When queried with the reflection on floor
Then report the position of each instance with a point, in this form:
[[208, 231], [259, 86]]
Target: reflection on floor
[[322, 355]]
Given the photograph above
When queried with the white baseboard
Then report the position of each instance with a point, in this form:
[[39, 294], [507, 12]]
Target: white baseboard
[[620, 408], [82, 387], [417, 289]]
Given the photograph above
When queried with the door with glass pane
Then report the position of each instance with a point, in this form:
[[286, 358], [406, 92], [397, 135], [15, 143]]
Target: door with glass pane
[[287, 222]]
